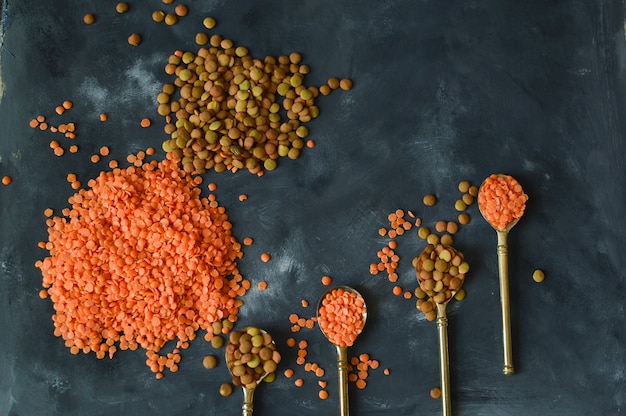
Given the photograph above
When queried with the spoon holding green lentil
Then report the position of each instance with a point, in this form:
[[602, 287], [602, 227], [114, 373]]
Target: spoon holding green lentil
[[251, 357], [441, 272]]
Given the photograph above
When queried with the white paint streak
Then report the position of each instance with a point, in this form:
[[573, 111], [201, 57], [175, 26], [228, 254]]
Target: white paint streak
[[6, 396], [141, 82], [10, 272], [138, 83], [94, 92], [529, 165], [56, 381], [286, 263]]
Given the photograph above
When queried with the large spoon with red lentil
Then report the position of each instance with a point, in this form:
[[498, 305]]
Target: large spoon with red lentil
[[341, 315], [501, 201]]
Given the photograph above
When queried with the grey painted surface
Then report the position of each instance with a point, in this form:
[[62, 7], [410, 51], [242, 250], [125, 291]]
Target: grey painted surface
[[442, 92]]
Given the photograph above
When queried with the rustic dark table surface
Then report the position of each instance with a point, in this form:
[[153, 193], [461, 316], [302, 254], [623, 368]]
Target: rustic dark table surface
[[443, 92]]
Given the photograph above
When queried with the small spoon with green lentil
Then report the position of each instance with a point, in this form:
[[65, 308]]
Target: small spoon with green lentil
[[441, 272], [251, 357]]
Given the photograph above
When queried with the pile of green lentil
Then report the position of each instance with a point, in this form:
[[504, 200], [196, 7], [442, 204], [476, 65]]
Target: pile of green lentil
[[228, 111]]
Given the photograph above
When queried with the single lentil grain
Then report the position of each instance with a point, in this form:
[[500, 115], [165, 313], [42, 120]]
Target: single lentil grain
[[158, 16], [429, 200], [209, 362], [171, 19], [121, 7], [435, 393], [226, 389], [134, 39], [181, 10], [209, 22]]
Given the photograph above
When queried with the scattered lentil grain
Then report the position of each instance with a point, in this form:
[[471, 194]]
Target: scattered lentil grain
[[209, 22], [181, 10], [226, 389], [121, 7], [429, 200], [134, 39], [435, 393]]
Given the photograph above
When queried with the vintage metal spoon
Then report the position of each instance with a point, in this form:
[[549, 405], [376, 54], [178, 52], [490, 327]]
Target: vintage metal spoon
[[441, 301], [342, 351], [248, 392], [503, 272]]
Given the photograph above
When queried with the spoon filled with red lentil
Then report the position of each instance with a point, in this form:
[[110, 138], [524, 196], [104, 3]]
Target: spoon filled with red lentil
[[341, 315], [501, 201]]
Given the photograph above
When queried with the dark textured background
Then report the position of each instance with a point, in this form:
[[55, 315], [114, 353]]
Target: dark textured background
[[443, 91]]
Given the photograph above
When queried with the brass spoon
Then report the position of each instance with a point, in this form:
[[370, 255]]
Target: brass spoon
[[503, 272], [342, 352], [248, 392], [444, 362]]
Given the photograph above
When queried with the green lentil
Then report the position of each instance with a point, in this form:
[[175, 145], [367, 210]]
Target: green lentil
[[345, 84], [423, 232], [158, 16], [446, 240], [464, 218], [452, 227], [459, 205], [209, 22], [226, 389], [464, 186], [228, 116], [121, 7], [209, 362], [429, 200], [432, 239], [468, 199], [269, 164], [171, 19], [217, 342]]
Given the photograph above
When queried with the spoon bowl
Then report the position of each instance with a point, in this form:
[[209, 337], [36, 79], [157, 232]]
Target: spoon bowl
[[503, 254], [483, 209], [324, 306]]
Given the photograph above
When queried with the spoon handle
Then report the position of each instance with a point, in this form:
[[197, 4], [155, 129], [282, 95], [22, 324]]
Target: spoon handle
[[342, 366], [247, 407], [503, 271], [444, 365]]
